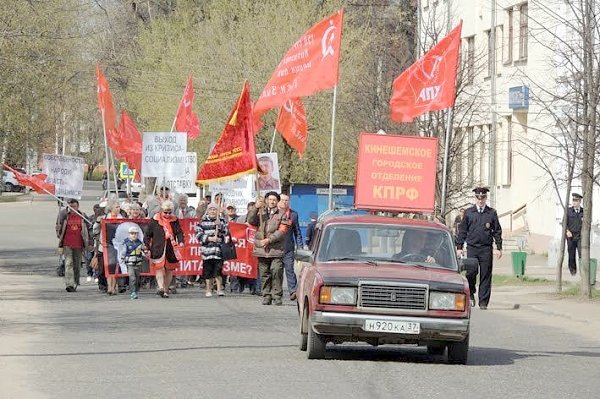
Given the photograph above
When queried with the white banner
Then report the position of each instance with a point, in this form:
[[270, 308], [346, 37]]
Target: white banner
[[164, 154], [270, 181], [236, 192], [187, 182], [66, 173]]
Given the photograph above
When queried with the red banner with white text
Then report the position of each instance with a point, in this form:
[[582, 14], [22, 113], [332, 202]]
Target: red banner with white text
[[396, 173], [116, 230]]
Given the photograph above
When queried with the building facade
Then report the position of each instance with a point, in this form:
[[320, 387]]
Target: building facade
[[510, 82]]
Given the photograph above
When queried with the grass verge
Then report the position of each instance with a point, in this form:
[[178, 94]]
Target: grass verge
[[574, 291], [500, 279], [8, 198]]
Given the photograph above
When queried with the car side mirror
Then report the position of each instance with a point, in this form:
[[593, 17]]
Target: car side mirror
[[304, 255], [469, 265]]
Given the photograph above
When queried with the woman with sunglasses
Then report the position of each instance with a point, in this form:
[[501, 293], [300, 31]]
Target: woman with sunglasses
[[163, 235]]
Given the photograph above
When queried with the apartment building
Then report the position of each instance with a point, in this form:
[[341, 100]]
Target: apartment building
[[514, 93]]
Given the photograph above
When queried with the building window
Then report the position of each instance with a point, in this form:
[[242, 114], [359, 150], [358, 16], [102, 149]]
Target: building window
[[523, 28], [458, 158], [471, 152], [489, 166], [499, 39], [470, 59], [490, 48], [509, 155], [508, 56]]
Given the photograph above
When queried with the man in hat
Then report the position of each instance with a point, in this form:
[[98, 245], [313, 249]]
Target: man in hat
[[479, 228], [574, 222], [272, 225]]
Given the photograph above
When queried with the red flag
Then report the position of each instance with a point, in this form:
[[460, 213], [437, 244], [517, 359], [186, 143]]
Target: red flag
[[105, 103], [309, 66], [130, 143], [36, 182], [234, 154], [430, 83], [186, 119], [291, 123]]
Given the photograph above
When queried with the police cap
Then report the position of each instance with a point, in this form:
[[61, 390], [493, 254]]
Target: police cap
[[577, 196], [481, 191]]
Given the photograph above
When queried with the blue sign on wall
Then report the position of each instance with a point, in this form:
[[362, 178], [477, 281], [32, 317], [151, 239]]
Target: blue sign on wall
[[308, 198], [518, 97]]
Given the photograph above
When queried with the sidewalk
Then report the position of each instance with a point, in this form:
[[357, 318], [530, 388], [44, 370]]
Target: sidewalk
[[542, 298]]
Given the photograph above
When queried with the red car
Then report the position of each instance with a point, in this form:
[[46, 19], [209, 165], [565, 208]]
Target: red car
[[383, 280]]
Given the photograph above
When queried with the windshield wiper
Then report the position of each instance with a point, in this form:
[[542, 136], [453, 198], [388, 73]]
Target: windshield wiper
[[345, 258]]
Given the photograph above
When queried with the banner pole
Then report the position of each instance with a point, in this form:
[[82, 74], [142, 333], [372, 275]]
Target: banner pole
[[107, 166], [445, 167], [114, 160], [273, 140], [173, 125], [330, 200]]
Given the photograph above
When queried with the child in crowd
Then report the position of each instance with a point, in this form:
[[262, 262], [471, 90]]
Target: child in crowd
[[133, 258]]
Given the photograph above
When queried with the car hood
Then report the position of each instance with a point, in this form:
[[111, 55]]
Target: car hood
[[353, 273]]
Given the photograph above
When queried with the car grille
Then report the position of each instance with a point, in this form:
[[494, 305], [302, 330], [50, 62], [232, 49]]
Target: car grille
[[393, 297]]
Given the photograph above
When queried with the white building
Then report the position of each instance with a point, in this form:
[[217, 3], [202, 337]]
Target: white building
[[527, 69]]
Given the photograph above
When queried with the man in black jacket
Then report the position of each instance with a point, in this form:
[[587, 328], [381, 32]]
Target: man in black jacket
[[574, 222], [293, 238], [479, 228]]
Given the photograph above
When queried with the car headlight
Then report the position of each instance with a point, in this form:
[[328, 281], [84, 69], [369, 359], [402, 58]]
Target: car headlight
[[447, 301], [337, 295]]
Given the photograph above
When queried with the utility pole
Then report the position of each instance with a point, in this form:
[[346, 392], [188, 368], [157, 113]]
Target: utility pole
[[494, 116]]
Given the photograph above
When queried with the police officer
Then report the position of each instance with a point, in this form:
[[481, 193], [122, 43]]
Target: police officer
[[574, 222], [479, 228]]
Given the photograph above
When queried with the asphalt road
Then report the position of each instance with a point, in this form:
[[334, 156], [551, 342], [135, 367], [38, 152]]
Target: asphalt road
[[86, 345]]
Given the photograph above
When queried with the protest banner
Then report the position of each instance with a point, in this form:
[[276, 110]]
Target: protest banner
[[66, 173], [116, 230], [396, 173], [164, 154], [187, 182], [236, 192], [245, 265], [269, 179]]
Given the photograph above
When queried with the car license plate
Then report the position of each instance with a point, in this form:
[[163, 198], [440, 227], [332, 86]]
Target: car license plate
[[396, 327]]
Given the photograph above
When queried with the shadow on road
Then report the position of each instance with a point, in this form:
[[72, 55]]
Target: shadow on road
[[191, 348], [478, 356]]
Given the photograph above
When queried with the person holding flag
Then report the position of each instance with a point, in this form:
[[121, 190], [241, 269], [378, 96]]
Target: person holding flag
[[73, 238]]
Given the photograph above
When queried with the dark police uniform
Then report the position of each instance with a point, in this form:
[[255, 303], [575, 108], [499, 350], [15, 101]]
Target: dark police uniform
[[479, 230], [574, 222]]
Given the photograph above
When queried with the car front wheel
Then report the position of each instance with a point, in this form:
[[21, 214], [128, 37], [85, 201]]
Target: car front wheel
[[302, 345], [315, 344], [458, 351], [8, 187]]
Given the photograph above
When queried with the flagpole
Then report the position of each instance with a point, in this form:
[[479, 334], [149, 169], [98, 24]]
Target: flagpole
[[273, 140], [114, 159], [330, 200], [445, 167], [106, 152]]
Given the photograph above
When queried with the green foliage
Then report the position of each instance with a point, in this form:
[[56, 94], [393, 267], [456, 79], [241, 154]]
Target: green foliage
[[148, 49]]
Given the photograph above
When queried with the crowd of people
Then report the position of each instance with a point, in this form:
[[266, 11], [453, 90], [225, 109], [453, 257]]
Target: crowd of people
[[81, 241]]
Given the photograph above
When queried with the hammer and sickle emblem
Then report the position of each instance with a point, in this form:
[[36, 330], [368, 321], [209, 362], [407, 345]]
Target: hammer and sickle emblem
[[327, 39], [288, 106], [434, 68]]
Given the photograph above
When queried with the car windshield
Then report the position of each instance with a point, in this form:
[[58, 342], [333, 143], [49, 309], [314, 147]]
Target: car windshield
[[387, 243]]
